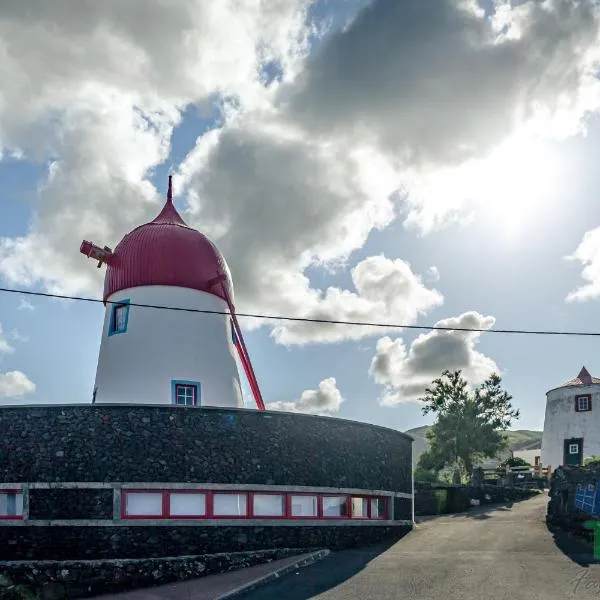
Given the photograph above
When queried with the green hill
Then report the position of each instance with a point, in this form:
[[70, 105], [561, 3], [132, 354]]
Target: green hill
[[519, 439]]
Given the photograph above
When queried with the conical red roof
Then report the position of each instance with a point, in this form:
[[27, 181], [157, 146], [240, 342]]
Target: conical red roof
[[167, 251], [584, 378]]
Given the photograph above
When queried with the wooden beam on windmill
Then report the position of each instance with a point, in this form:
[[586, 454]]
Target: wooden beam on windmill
[[102, 255]]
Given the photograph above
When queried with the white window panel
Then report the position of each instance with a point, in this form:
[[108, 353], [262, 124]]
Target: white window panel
[[377, 508], [334, 506], [141, 504], [185, 395], [229, 505], [573, 448], [304, 506], [360, 508], [268, 505], [11, 504], [187, 505], [120, 317], [583, 403]]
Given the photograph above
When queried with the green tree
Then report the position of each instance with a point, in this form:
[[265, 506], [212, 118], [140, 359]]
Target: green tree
[[515, 461], [469, 422]]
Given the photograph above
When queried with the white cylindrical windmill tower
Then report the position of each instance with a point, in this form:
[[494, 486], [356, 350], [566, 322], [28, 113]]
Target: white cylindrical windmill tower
[[177, 355]]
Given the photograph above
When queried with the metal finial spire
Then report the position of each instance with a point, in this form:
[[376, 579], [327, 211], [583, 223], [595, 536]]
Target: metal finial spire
[[170, 190]]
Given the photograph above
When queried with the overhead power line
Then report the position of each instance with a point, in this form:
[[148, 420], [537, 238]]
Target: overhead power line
[[306, 319]]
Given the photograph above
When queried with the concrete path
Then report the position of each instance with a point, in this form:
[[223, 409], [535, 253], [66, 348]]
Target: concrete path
[[488, 553]]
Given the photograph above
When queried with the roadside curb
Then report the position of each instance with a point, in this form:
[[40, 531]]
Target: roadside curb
[[312, 558]]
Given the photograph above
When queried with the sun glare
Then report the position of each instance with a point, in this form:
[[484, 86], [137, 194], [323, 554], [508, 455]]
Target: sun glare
[[513, 184]]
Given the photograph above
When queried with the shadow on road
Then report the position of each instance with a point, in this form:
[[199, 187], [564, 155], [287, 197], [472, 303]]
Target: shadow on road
[[483, 512], [326, 574], [572, 547]]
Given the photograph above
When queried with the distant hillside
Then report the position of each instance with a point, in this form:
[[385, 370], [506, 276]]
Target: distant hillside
[[520, 439]]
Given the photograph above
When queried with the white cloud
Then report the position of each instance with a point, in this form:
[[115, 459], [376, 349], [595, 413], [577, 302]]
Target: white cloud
[[387, 291], [25, 305], [433, 274], [438, 86], [98, 89], [17, 336], [5, 347], [325, 400], [404, 374], [15, 384], [588, 254], [276, 203], [438, 81]]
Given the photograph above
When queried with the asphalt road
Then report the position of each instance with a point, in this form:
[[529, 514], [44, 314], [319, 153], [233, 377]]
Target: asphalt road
[[487, 554]]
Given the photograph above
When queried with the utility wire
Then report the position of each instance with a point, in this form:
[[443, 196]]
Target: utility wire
[[306, 319]]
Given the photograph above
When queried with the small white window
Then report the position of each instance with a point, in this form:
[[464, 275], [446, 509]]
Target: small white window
[[573, 448], [304, 506], [11, 504], [268, 505], [377, 508], [230, 505], [360, 508], [583, 403], [335, 506], [185, 395], [143, 504], [187, 505]]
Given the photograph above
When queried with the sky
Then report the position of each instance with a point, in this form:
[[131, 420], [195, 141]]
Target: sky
[[393, 161]]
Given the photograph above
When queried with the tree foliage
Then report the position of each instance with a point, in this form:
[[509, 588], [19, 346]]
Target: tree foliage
[[515, 461], [469, 422]]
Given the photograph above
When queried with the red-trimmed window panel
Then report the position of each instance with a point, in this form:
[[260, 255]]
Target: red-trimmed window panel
[[230, 505], [378, 508], [234, 504], [268, 505], [303, 506], [336, 506], [11, 504], [359, 506], [143, 504], [187, 504]]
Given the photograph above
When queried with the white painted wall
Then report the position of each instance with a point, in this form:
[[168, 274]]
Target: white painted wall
[[527, 455], [137, 367], [562, 422]]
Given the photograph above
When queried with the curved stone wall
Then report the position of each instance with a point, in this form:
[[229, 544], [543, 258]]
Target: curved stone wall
[[71, 462]]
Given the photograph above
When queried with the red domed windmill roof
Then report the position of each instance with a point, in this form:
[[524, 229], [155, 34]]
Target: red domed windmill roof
[[166, 251]]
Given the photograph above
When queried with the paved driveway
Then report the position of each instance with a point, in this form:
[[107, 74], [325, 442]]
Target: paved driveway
[[488, 554]]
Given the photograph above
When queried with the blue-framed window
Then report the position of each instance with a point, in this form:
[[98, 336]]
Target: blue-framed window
[[186, 393], [119, 317]]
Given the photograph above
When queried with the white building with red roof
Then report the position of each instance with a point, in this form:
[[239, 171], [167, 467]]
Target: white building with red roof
[[170, 332], [572, 422]]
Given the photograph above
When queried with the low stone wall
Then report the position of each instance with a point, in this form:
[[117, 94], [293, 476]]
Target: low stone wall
[[433, 498], [148, 541], [70, 464], [561, 507], [81, 579]]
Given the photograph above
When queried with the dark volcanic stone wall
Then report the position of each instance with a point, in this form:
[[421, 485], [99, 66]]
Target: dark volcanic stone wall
[[83, 579], [432, 499], [152, 444], [70, 504], [563, 486], [107, 443], [79, 543]]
